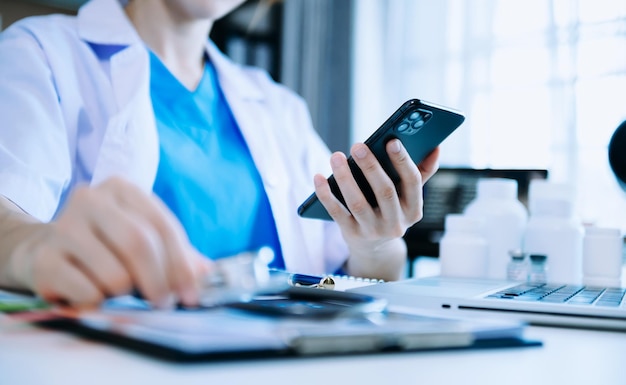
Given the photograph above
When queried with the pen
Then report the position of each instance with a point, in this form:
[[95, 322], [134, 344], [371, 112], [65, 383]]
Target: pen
[[325, 282]]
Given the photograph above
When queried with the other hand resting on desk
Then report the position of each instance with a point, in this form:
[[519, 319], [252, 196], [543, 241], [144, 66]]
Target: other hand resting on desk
[[108, 240]]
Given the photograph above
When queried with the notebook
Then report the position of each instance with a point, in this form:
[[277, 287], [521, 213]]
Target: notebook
[[541, 304], [332, 281], [307, 322]]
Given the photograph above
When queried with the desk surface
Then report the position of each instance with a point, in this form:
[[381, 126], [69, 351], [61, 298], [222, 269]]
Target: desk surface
[[30, 355]]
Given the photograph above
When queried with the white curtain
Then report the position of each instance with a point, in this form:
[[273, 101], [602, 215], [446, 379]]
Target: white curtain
[[542, 83]]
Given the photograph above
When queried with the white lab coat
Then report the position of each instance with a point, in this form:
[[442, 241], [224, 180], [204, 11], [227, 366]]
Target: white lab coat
[[75, 109]]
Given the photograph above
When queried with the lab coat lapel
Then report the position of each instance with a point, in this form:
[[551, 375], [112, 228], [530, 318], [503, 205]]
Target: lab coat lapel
[[130, 143], [104, 22], [250, 107], [131, 134], [248, 104]]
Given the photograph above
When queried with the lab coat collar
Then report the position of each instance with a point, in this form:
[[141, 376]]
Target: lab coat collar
[[231, 76], [104, 22]]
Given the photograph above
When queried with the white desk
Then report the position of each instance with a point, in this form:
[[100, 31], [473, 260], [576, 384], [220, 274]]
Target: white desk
[[29, 356]]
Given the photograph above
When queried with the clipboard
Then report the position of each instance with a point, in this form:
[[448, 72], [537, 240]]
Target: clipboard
[[247, 331]]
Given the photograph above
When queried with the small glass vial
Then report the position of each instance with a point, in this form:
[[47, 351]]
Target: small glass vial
[[538, 272], [517, 269]]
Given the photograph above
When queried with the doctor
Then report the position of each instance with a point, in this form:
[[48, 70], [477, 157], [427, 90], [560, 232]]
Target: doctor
[[132, 152]]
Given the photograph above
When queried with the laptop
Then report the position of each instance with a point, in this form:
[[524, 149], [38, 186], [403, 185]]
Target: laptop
[[539, 304]]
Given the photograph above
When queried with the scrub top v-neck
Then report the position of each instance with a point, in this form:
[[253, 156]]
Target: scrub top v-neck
[[206, 175]]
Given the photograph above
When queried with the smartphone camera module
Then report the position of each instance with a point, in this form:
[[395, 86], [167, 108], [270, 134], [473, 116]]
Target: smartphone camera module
[[414, 122]]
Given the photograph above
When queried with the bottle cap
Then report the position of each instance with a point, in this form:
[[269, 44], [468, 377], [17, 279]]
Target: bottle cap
[[500, 188], [517, 255], [538, 258], [544, 189], [557, 207], [602, 232], [463, 223]]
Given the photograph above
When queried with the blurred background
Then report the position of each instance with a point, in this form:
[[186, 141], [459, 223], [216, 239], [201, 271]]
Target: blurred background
[[542, 82]]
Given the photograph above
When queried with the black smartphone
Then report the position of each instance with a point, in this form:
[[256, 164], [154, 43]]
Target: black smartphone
[[421, 126], [312, 302]]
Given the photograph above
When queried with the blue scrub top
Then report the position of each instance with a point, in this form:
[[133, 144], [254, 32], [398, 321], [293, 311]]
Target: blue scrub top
[[206, 174]]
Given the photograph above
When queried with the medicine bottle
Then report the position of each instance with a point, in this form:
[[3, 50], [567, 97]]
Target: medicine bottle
[[538, 272], [602, 256], [505, 219], [462, 249], [554, 231], [517, 269], [542, 189]]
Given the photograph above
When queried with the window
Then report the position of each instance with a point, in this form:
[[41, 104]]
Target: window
[[542, 84]]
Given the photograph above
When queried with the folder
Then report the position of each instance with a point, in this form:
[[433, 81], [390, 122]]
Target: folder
[[312, 322]]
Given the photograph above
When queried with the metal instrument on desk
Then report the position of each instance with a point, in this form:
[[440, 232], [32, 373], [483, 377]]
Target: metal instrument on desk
[[240, 277], [245, 282]]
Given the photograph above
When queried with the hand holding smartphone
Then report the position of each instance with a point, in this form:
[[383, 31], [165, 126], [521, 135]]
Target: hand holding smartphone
[[419, 125]]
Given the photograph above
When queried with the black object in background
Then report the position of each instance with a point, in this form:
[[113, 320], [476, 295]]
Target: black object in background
[[617, 154], [312, 303], [449, 191], [252, 35]]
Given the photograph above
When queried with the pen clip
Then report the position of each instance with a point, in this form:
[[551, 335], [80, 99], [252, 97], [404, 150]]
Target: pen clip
[[303, 280]]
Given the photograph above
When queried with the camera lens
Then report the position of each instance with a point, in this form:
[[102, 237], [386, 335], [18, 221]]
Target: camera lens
[[403, 127], [415, 115], [418, 124]]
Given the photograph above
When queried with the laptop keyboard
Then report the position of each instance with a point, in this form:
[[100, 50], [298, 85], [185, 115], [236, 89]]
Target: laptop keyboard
[[570, 294]]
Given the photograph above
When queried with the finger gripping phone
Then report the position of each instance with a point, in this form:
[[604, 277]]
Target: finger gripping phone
[[420, 126]]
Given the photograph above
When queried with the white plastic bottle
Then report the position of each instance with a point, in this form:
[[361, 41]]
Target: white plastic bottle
[[554, 231], [505, 219], [545, 189], [602, 256], [462, 249]]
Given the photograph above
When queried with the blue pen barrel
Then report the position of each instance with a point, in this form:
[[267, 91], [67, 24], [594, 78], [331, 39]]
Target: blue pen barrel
[[304, 280], [311, 280]]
